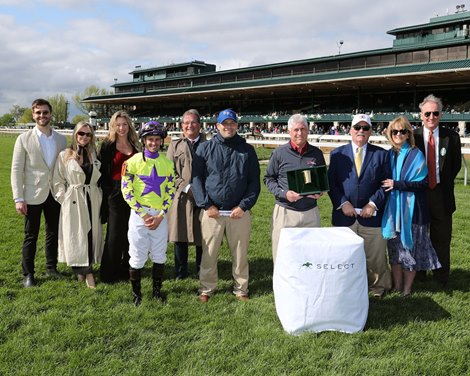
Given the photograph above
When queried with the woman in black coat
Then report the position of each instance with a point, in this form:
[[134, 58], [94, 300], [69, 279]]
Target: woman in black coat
[[120, 144]]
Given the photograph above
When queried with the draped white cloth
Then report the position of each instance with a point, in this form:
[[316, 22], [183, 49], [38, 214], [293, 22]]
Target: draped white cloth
[[320, 280]]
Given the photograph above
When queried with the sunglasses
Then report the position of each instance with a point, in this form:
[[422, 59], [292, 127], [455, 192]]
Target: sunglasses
[[365, 128], [428, 113], [83, 134], [401, 131]]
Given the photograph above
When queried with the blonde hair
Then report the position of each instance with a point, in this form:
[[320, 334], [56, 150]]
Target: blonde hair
[[132, 136], [400, 122], [90, 148]]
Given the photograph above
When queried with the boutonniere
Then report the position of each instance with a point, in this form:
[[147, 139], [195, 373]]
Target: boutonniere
[[443, 151]]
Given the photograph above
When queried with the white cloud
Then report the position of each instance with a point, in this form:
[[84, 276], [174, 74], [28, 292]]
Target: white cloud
[[54, 47]]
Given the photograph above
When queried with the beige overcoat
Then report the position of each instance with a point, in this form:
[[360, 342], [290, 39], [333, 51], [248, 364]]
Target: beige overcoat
[[74, 223], [183, 216]]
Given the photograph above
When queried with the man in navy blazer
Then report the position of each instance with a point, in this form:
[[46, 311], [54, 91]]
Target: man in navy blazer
[[355, 175], [441, 199]]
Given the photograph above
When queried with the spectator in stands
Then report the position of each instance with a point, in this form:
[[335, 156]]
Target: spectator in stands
[[120, 144], [75, 184], [32, 166], [444, 159], [292, 209], [406, 216], [183, 218], [356, 173], [226, 184]]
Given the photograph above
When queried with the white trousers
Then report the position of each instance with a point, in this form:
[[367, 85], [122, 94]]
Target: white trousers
[[144, 242]]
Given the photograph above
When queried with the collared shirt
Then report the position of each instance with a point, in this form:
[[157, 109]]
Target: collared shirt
[[355, 150], [435, 134], [48, 147], [301, 150], [195, 140]]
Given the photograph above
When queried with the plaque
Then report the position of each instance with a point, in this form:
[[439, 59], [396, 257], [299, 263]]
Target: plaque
[[307, 181]]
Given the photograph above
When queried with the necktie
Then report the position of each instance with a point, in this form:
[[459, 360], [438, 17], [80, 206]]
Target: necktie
[[431, 162], [358, 160]]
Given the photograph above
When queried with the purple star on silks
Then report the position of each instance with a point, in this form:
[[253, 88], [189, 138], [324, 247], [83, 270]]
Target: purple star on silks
[[152, 182], [137, 205], [172, 196], [167, 189], [129, 196], [165, 203], [125, 184], [170, 178]]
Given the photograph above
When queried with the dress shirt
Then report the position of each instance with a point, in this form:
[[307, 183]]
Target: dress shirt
[[48, 147]]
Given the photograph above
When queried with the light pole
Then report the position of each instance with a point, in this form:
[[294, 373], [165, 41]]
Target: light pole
[[339, 44], [66, 112]]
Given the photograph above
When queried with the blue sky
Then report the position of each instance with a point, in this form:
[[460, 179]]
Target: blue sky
[[51, 47]]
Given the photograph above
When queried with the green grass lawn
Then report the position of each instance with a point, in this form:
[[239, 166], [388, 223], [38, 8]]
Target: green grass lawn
[[62, 328]]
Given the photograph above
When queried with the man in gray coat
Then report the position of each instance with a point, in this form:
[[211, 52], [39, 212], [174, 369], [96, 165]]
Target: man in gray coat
[[183, 218], [32, 166]]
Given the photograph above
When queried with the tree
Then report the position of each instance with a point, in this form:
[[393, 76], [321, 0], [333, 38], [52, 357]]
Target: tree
[[7, 120], [85, 108], [17, 112], [79, 117], [26, 117], [60, 112]]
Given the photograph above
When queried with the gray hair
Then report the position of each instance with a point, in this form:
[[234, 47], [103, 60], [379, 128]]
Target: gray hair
[[431, 98], [297, 119], [194, 112]]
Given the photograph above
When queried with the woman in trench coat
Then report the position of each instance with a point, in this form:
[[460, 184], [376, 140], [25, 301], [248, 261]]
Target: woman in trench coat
[[75, 185]]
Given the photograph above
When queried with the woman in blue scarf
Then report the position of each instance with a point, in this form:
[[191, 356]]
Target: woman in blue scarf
[[406, 217]]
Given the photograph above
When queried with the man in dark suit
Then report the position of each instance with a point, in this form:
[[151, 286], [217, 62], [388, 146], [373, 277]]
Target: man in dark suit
[[355, 175], [443, 154]]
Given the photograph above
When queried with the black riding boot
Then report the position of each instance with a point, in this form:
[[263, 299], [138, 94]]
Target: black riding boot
[[157, 276], [135, 278]]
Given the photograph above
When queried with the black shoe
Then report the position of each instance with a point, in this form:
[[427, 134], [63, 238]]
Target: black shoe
[[29, 281], [159, 296], [52, 272], [137, 300]]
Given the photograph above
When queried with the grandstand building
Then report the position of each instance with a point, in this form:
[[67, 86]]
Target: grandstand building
[[429, 58]]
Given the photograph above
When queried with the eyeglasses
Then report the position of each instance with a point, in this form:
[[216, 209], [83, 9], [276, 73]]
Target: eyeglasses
[[365, 128], [435, 113], [83, 134], [401, 131]]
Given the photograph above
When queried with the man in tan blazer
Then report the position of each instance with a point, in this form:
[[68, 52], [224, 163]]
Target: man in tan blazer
[[32, 166], [183, 217]]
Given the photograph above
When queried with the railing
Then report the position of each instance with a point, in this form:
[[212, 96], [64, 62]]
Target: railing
[[325, 142]]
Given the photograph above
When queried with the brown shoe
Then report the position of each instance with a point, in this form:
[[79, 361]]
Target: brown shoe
[[203, 298], [242, 297], [90, 281]]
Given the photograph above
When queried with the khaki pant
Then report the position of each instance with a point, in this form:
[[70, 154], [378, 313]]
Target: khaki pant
[[283, 217], [378, 271], [237, 232]]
